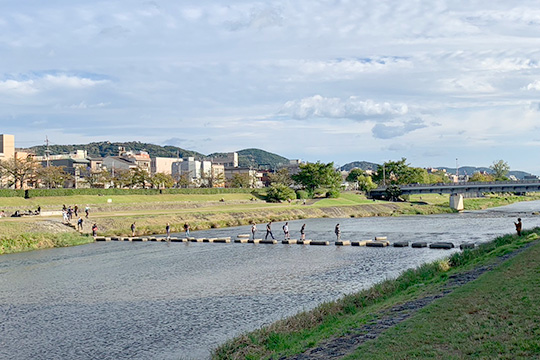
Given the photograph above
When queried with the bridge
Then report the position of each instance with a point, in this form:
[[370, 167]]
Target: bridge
[[519, 187]]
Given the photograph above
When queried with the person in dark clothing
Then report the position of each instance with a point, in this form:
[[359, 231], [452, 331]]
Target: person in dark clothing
[[269, 231], [133, 229], [303, 232], [94, 230], [168, 230]]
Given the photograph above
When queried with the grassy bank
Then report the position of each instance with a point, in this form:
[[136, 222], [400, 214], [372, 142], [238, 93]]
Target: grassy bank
[[204, 211], [35, 241], [412, 339]]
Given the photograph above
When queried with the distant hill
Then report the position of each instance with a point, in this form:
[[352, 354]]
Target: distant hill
[[364, 165], [256, 158], [246, 158], [106, 148]]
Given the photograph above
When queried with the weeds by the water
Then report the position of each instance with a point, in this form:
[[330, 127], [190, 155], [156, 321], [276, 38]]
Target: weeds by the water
[[295, 334]]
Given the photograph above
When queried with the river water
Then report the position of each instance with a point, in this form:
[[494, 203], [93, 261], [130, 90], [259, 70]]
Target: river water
[[153, 300]]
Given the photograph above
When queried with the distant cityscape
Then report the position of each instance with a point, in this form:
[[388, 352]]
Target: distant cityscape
[[217, 171]]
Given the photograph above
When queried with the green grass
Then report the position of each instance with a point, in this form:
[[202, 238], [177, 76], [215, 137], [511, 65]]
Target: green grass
[[34, 241], [298, 333], [345, 199], [495, 317]]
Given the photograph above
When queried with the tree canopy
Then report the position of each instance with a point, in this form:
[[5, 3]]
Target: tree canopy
[[317, 175], [500, 170]]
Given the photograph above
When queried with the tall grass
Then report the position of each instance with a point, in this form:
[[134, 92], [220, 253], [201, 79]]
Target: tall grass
[[35, 241]]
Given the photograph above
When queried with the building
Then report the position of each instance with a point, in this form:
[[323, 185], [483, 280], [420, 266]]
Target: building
[[162, 165], [254, 175], [228, 160], [7, 146], [113, 163], [187, 167]]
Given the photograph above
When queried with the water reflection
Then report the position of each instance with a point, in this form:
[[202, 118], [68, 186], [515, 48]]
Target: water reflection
[[177, 301]]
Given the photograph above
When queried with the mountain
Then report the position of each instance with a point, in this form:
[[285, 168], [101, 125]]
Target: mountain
[[246, 158], [364, 165], [106, 148], [256, 158]]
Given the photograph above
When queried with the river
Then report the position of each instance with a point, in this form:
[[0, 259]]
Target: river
[[153, 300]]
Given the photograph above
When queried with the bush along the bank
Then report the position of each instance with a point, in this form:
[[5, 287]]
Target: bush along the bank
[[297, 333]]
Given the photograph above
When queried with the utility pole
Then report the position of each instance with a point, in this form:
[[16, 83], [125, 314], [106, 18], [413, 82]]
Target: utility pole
[[457, 170], [47, 151]]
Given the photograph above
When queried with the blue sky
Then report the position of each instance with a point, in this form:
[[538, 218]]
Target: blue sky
[[432, 81]]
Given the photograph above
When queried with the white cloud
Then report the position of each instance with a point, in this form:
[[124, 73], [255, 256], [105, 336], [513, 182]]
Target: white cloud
[[24, 87], [352, 108], [535, 85]]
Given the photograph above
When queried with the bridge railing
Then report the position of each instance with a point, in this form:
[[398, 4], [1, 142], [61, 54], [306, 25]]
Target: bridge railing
[[464, 183]]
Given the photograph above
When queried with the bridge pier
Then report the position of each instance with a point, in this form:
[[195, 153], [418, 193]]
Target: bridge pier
[[456, 202]]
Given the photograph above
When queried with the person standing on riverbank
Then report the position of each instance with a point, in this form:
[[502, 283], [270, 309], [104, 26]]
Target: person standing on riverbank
[[337, 230], [186, 228], [269, 231], [80, 224], [86, 211], [303, 232], [519, 226], [133, 229], [253, 230], [94, 229]]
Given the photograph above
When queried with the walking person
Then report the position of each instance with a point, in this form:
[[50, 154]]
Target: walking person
[[133, 229], [76, 210], [186, 228], [86, 211], [519, 226], [168, 231], [337, 230], [286, 231], [94, 229], [253, 230], [80, 224], [269, 231], [303, 232]]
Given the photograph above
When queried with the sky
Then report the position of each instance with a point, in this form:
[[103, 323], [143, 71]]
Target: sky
[[439, 83]]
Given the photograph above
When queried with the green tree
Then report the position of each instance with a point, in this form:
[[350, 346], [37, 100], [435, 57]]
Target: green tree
[[52, 176], [280, 192], [365, 183], [318, 175], [182, 180], [393, 192], [121, 178], [354, 174], [161, 181], [282, 176], [243, 180], [399, 172], [140, 177], [19, 171], [500, 170], [481, 177]]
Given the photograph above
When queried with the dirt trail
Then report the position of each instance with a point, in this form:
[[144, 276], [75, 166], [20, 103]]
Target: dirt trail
[[342, 346]]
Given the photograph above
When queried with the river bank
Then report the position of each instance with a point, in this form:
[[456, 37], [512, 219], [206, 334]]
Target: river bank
[[152, 212], [433, 311]]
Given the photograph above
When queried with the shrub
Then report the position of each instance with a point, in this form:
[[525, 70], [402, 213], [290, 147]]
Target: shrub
[[302, 194], [332, 193], [280, 192]]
